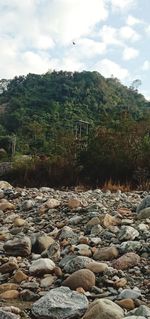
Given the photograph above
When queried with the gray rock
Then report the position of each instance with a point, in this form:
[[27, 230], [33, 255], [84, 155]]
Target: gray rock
[[129, 294], [104, 309], [144, 213], [18, 246], [42, 266], [8, 315], [130, 245], [128, 233], [53, 251], [135, 317], [28, 204], [68, 233], [144, 204], [60, 303], [77, 263], [141, 311]]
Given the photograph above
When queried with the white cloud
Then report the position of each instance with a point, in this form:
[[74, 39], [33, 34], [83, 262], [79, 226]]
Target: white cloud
[[108, 67], [30, 29], [68, 20], [147, 29], [109, 35], [133, 20], [69, 63], [129, 33], [88, 48], [146, 65], [130, 53], [122, 4]]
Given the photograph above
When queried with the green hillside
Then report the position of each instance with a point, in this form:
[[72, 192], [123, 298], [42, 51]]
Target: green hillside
[[78, 127], [37, 107]]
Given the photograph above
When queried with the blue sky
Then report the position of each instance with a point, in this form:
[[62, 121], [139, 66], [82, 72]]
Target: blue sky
[[111, 36]]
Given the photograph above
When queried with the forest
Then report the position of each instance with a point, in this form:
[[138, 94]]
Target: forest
[[63, 128]]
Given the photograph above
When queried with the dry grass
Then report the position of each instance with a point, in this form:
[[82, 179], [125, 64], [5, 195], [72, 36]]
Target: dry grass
[[114, 187]]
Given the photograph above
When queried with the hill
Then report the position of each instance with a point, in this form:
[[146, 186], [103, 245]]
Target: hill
[[65, 128], [38, 107]]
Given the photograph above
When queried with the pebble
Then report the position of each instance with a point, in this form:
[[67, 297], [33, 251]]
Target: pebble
[[84, 278], [60, 303], [103, 309], [93, 242]]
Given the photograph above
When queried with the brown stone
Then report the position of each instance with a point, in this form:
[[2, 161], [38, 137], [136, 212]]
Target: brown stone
[[106, 253], [127, 304], [81, 278], [120, 282], [20, 276], [80, 290], [74, 203], [10, 294], [9, 267], [6, 205], [9, 286], [109, 221], [58, 271], [97, 267], [126, 261], [19, 222]]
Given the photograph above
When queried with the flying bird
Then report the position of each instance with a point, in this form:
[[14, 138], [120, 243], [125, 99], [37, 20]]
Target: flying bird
[[73, 43]]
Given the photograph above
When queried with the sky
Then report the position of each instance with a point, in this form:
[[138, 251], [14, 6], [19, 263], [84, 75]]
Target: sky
[[111, 37]]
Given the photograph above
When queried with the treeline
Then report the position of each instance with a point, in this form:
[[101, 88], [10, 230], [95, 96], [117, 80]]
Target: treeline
[[42, 112]]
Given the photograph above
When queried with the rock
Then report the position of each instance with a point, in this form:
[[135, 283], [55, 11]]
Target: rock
[[60, 303], [19, 222], [97, 267], [106, 253], [135, 317], [129, 294], [126, 261], [9, 286], [12, 309], [109, 221], [20, 276], [10, 294], [28, 204], [8, 267], [6, 205], [144, 213], [92, 222], [120, 282], [144, 204], [74, 203], [130, 246], [5, 185], [96, 230], [18, 247], [53, 251], [77, 263], [142, 311], [8, 315], [43, 242], [2, 195], [49, 204], [47, 281], [42, 266], [83, 250], [28, 295], [67, 233], [81, 278], [103, 309], [128, 233]]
